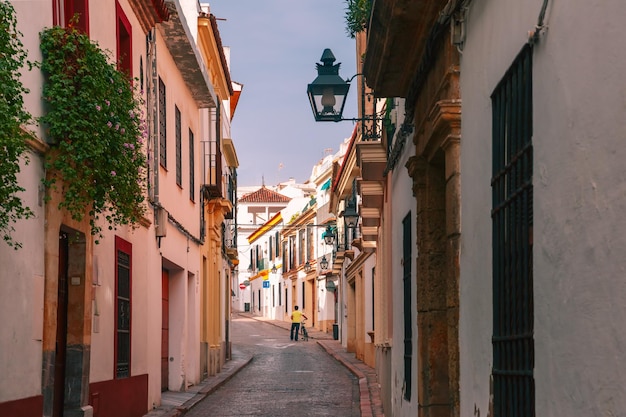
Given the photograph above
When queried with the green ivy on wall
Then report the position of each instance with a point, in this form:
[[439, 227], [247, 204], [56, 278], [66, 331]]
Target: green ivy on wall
[[13, 120], [95, 122]]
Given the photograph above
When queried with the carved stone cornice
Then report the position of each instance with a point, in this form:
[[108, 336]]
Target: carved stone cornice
[[149, 12], [417, 167], [372, 158], [444, 120]]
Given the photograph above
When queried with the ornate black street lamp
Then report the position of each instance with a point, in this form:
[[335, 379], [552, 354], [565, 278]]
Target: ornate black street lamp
[[324, 263], [350, 215], [328, 236], [328, 92]]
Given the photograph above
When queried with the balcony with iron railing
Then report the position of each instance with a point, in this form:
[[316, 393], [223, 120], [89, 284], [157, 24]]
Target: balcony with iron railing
[[212, 186]]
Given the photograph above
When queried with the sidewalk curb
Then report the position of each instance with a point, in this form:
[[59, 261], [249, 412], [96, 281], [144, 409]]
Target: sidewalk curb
[[364, 397], [221, 379], [211, 385]]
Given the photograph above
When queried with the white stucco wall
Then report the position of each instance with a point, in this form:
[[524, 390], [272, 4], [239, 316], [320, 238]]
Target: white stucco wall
[[181, 255], [22, 271], [22, 296], [402, 203], [146, 269], [579, 199]]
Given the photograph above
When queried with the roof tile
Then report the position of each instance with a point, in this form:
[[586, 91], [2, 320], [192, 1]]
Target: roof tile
[[264, 195]]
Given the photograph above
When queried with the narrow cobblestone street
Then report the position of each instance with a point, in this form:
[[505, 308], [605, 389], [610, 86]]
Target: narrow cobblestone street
[[297, 367], [285, 378]]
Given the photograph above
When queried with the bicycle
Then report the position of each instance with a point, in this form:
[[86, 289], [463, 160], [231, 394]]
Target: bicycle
[[304, 334]]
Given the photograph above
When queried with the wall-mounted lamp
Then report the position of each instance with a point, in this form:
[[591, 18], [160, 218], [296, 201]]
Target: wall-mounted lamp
[[307, 267], [324, 263], [328, 236], [328, 93], [350, 215], [274, 269]]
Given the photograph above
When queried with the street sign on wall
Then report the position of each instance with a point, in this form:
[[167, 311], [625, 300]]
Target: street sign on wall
[[266, 284]]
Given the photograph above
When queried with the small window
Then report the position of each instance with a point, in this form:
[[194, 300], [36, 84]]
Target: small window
[[179, 145], [192, 167], [124, 43], [301, 246], [66, 10], [162, 125]]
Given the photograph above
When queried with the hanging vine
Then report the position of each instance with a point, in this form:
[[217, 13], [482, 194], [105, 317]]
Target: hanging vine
[[94, 120], [13, 121]]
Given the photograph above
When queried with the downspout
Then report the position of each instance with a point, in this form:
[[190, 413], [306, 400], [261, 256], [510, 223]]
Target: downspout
[[533, 35], [219, 183]]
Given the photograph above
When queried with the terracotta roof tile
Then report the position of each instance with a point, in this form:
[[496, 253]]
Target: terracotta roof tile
[[264, 195]]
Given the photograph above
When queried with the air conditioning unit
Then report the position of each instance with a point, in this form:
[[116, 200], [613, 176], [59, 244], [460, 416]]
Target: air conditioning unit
[[160, 227]]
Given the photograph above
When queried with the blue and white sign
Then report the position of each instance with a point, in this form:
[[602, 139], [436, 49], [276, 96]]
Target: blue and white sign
[[266, 284]]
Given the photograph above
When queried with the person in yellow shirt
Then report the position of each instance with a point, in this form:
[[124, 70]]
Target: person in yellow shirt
[[296, 319]]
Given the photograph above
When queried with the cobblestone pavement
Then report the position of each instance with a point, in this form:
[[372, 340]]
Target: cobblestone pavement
[[285, 379], [364, 397]]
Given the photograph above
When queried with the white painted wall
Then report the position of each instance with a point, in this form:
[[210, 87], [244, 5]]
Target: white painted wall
[[181, 255], [22, 271], [401, 204], [22, 297], [579, 199]]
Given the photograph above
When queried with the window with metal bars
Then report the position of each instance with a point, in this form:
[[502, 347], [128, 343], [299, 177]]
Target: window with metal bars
[[512, 228], [310, 245], [162, 125], [179, 147], [192, 167], [407, 306], [302, 246], [277, 240], [292, 252], [123, 250], [271, 249]]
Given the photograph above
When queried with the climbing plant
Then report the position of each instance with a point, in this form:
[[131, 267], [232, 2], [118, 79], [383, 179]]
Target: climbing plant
[[95, 123], [13, 121]]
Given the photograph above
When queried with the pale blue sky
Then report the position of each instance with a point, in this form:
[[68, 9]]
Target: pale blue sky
[[275, 45]]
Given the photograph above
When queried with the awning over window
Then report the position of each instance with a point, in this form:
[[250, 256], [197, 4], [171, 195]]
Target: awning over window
[[326, 185]]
